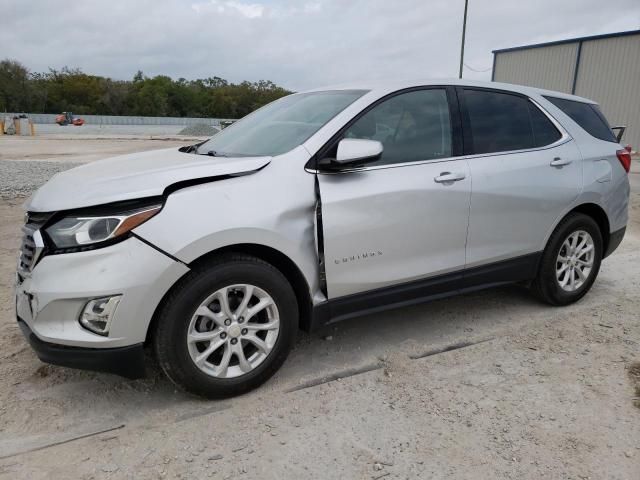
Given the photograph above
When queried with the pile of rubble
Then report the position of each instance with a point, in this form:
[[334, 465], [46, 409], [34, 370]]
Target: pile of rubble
[[199, 130]]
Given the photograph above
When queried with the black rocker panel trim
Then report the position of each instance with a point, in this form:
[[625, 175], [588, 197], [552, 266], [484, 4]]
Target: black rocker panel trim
[[615, 238], [499, 273]]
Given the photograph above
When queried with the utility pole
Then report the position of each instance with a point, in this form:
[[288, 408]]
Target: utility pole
[[464, 31]]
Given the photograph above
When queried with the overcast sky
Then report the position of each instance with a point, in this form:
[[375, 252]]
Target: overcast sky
[[297, 44]]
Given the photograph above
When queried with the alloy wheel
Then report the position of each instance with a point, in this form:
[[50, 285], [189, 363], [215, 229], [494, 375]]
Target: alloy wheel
[[575, 261], [233, 331]]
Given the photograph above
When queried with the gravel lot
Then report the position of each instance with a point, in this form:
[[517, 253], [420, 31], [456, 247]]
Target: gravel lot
[[21, 178], [28, 162], [489, 385]]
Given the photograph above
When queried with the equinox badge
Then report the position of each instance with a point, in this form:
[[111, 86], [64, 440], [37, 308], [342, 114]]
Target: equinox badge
[[360, 256]]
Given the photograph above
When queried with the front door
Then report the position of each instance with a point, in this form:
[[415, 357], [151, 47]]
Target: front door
[[405, 216]]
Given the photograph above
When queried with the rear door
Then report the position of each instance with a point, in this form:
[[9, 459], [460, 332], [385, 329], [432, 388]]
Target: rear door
[[396, 220], [526, 171]]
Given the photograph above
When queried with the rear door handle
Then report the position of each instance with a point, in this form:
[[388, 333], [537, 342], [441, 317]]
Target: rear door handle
[[559, 162], [448, 177]]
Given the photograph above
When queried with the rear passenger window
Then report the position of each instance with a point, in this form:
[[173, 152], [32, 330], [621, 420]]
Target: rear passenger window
[[588, 116], [502, 122], [544, 131]]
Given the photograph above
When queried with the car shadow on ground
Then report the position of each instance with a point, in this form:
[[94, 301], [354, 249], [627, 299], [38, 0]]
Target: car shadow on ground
[[332, 348], [87, 402]]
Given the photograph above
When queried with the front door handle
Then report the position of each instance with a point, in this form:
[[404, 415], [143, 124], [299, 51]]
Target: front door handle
[[448, 177], [560, 162]]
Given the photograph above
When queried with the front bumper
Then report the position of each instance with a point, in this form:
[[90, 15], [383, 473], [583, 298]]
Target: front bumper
[[125, 361], [51, 297]]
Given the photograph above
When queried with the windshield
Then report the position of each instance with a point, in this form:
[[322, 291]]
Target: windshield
[[280, 126]]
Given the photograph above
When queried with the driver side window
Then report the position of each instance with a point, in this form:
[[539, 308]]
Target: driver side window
[[412, 126]]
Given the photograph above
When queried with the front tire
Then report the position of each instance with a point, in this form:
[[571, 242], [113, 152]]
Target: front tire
[[570, 262], [227, 327]]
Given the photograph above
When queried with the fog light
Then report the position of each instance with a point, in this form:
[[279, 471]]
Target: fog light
[[98, 312]]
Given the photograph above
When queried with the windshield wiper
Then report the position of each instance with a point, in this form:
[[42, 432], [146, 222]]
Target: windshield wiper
[[213, 153], [187, 149], [191, 148]]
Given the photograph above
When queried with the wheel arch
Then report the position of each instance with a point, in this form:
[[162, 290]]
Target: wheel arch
[[597, 213], [268, 254]]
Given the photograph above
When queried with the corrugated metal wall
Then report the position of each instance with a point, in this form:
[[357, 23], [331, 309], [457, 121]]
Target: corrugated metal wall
[[550, 67], [608, 72]]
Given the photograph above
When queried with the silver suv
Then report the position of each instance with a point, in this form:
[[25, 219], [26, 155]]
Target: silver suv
[[318, 207]]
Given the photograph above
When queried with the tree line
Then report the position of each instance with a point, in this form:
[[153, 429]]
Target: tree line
[[74, 91]]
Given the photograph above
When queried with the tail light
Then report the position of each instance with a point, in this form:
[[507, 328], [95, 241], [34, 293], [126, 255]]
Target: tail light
[[625, 159]]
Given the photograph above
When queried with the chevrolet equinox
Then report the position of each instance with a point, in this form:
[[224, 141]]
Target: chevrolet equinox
[[318, 207]]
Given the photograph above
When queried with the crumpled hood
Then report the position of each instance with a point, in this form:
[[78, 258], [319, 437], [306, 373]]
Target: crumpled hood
[[132, 176]]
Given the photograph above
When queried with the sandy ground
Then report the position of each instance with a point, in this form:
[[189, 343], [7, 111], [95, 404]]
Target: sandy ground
[[539, 392], [82, 149]]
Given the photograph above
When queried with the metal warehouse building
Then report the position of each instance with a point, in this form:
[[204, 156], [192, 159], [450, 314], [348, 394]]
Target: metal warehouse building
[[604, 68]]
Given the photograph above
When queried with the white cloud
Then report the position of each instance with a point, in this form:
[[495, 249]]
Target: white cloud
[[248, 10], [296, 43]]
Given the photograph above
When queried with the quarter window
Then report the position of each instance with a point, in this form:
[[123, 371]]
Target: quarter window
[[588, 116], [412, 126]]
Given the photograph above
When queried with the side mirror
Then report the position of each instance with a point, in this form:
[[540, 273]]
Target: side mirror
[[354, 152]]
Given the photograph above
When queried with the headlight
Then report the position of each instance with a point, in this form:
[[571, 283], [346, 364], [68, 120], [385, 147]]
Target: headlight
[[80, 231]]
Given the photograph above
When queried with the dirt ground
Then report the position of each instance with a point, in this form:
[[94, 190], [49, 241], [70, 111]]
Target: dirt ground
[[81, 149], [491, 385]]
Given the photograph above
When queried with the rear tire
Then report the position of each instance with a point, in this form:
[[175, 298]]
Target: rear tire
[[250, 349], [571, 261]]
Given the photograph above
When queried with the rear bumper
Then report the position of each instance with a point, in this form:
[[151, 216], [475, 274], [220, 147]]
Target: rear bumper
[[124, 361], [615, 238]]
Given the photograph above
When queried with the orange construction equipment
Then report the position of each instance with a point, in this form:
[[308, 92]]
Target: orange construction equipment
[[67, 118]]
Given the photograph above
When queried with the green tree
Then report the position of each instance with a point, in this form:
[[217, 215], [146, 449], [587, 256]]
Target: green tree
[[15, 88], [73, 90]]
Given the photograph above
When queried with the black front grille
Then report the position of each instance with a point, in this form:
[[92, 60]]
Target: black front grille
[[28, 248]]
